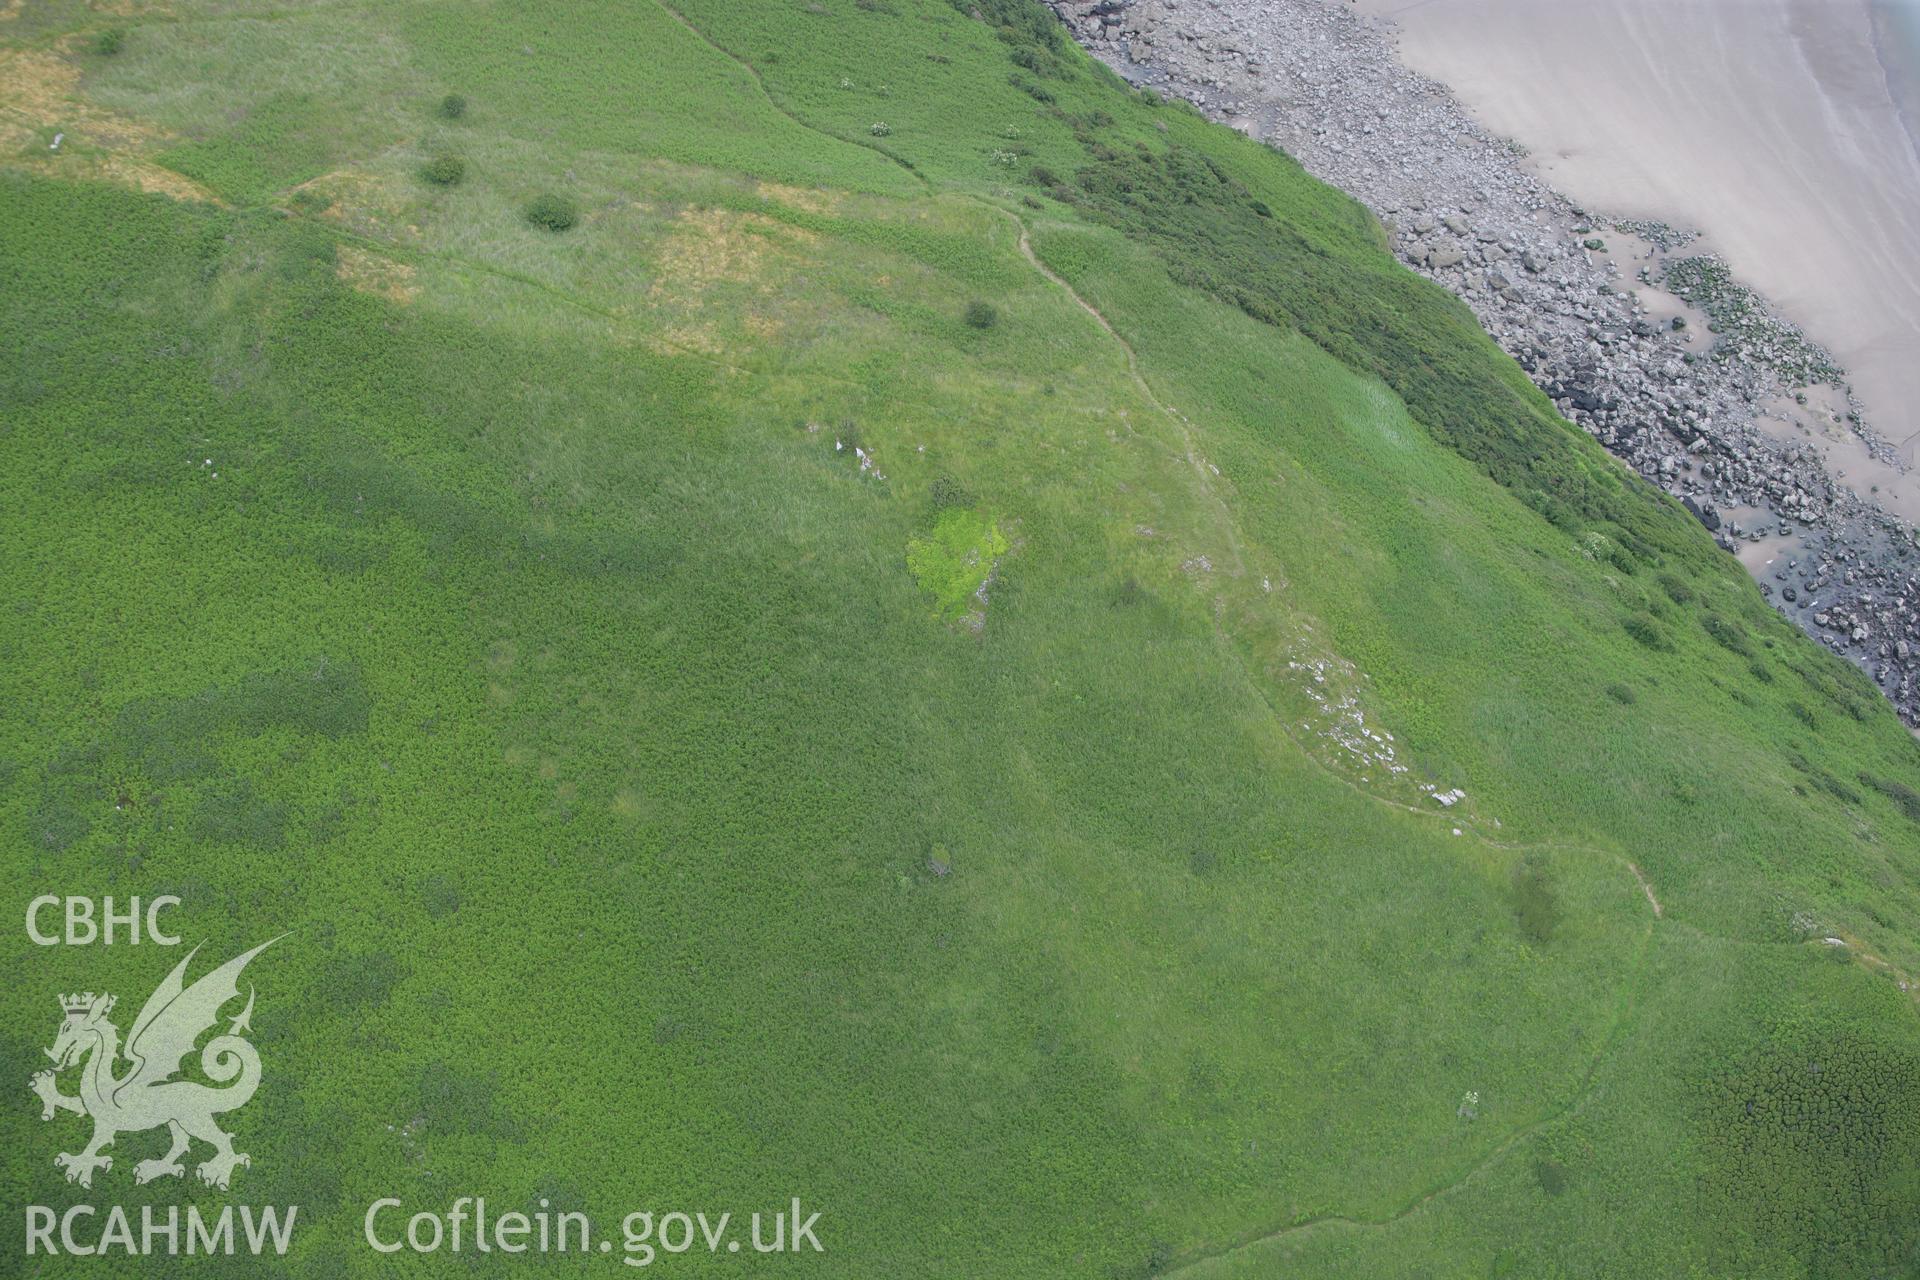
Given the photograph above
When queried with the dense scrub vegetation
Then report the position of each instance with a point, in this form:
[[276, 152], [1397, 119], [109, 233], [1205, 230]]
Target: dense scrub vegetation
[[1339, 290], [1811, 1151]]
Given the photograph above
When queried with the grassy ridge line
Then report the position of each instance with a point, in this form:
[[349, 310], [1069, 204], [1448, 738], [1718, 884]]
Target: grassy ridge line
[[760, 82]]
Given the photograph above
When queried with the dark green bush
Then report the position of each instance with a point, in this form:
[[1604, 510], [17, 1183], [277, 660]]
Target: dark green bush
[[444, 171], [981, 315], [1551, 509], [553, 212], [1536, 908], [358, 981], [453, 106], [1727, 633], [110, 41], [308, 201], [1039, 93], [1017, 22], [441, 896], [1551, 1175], [1676, 588], [1622, 694], [1043, 177], [233, 813], [948, 492], [1904, 798], [1646, 631]]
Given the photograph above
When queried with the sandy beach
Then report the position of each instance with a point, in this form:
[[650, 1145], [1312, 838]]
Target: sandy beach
[[1772, 126]]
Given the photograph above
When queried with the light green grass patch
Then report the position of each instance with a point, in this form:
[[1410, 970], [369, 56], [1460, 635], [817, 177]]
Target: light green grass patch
[[955, 560]]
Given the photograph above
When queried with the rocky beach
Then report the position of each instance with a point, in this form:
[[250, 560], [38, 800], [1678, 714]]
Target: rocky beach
[[1642, 331]]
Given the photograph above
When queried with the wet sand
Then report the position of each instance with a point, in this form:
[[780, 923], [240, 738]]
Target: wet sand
[[1772, 126]]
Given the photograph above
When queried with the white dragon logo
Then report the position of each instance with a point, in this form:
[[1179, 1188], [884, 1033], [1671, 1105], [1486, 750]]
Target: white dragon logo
[[148, 1095]]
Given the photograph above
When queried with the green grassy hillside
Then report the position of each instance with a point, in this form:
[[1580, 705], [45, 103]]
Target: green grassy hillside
[[910, 658]]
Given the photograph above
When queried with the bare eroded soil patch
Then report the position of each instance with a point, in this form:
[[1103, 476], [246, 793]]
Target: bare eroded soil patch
[[49, 126], [369, 272]]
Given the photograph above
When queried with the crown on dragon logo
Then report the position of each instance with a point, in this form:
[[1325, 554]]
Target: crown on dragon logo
[[80, 1003]]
